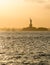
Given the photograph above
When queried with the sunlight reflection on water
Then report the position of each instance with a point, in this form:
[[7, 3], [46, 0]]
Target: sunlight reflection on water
[[24, 48]]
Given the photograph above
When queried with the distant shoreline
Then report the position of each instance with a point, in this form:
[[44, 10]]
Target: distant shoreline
[[25, 29], [35, 29]]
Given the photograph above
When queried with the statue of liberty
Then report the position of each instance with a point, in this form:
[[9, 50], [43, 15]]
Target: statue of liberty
[[30, 25]]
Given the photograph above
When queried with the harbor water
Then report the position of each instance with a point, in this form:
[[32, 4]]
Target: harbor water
[[24, 48]]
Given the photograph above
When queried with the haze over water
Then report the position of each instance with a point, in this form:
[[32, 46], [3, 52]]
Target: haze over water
[[16, 13]]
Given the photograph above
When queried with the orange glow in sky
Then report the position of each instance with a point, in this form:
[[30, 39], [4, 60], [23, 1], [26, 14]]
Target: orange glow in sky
[[16, 13]]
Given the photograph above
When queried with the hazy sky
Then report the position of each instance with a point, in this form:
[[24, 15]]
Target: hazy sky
[[16, 13]]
